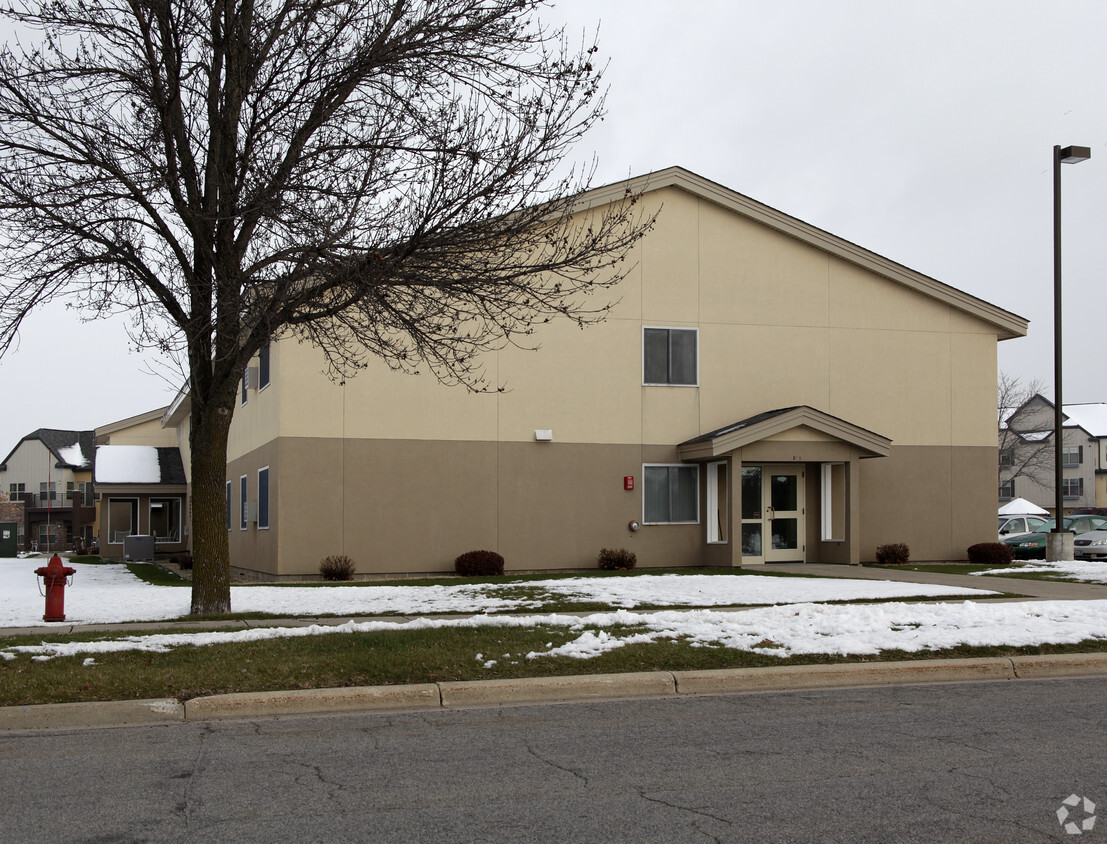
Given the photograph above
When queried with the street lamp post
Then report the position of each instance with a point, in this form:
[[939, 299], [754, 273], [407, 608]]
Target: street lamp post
[[1059, 542]]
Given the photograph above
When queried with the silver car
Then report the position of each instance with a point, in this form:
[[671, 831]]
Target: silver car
[[1091, 545], [1018, 525]]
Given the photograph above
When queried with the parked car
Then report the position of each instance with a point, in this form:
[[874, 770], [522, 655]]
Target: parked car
[[1091, 545], [1017, 525], [1031, 546]]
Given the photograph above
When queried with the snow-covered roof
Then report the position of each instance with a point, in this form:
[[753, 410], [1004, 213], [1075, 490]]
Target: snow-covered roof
[[74, 449], [1091, 417], [138, 464]]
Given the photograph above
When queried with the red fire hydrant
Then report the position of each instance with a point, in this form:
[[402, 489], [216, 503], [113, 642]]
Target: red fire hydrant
[[55, 576]]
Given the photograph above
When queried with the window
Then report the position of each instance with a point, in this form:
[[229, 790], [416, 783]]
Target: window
[[1072, 455], [263, 367], [669, 356], [263, 497], [83, 487], [242, 495], [245, 385], [165, 519], [47, 491], [671, 494], [122, 519], [51, 537], [833, 496], [1006, 457], [1072, 487], [17, 492], [229, 511], [1007, 489]]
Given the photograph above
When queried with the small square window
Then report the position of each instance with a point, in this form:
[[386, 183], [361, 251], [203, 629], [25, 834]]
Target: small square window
[[669, 356], [671, 494]]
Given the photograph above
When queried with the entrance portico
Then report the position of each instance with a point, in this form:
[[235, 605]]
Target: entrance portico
[[784, 486]]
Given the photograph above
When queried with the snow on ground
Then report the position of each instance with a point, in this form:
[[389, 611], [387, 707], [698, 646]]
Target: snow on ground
[[1086, 571], [103, 594], [794, 624], [779, 630]]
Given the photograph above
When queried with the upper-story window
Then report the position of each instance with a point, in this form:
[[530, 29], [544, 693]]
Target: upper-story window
[[263, 367], [669, 356], [1072, 455]]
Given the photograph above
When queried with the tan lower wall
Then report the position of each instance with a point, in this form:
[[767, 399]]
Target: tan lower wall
[[937, 500], [406, 506]]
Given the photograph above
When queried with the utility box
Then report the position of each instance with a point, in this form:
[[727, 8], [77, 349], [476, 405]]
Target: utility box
[[9, 539], [138, 548]]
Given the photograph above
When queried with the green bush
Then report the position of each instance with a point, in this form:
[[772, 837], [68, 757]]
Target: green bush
[[184, 561], [479, 564], [895, 554], [617, 559], [991, 554], [337, 567]]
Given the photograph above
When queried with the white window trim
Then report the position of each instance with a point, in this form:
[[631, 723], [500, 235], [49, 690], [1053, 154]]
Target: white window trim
[[134, 514], [694, 466], [268, 498], [826, 494], [265, 386], [646, 383], [230, 505], [180, 517]]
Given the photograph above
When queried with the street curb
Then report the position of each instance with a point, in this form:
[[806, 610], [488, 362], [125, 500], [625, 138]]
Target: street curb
[[313, 701], [548, 690], [110, 713], [464, 694]]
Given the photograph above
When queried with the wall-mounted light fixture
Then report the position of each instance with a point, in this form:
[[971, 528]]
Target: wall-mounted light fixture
[[543, 435]]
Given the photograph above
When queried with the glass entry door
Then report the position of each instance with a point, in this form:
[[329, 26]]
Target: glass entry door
[[772, 514]]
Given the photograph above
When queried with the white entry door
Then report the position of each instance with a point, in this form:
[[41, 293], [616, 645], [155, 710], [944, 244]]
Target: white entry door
[[772, 513]]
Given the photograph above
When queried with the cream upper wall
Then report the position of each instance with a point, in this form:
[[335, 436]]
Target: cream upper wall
[[148, 432], [33, 463], [780, 322]]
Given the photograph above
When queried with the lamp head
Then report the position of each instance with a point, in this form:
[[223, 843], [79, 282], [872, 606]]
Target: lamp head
[[1074, 155]]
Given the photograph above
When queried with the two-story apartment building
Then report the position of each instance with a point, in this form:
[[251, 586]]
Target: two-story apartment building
[[762, 391], [1030, 429], [50, 472]]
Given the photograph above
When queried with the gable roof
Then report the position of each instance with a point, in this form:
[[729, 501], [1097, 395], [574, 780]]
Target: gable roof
[[1008, 325], [139, 464], [758, 427], [72, 449]]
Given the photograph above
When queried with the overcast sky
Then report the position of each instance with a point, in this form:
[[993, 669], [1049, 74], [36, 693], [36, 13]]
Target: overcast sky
[[919, 129]]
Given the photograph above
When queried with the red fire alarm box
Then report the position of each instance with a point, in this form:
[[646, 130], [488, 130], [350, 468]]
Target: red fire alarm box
[[628, 482]]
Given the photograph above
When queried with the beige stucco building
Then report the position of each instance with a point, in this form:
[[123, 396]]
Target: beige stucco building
[[762, 391]]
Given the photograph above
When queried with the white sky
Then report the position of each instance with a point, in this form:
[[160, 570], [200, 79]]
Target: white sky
[[919, 129], [795, 623]]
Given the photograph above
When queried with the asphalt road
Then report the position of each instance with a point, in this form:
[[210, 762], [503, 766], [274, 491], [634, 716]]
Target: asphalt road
[[973, 762]]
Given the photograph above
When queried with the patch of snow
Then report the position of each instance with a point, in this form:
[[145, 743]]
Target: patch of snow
[[73, 455], [127, 464], [1086, 571]]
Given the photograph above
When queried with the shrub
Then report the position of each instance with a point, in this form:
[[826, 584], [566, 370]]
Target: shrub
[[479, 564], [991, 554], [612, 559], [183, 561], [337, 567], [895, 554]]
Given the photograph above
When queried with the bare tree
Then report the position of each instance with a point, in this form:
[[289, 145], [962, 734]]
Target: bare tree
[[376, 176], [1025, 434]]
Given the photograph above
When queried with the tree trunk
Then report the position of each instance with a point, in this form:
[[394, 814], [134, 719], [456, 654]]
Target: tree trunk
[[211, 570]]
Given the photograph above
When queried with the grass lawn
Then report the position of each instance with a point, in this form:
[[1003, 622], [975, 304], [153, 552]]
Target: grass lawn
[[383, 658]]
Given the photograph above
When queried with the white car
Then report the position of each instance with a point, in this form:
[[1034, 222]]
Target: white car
[[1018, 525], [1091, 545]]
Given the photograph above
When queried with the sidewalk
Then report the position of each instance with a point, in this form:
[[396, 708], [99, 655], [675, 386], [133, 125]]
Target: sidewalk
[[1036, 589]]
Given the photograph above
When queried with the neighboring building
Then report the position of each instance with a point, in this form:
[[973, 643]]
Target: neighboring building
[[763, 391], [1084, 455], [50, 472], [142, 485]]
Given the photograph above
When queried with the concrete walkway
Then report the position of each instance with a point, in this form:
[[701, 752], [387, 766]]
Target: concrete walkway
[[1040, 589], [546, 690]]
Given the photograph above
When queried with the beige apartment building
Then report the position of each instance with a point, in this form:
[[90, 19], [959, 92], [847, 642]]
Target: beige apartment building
[[763, 391]]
